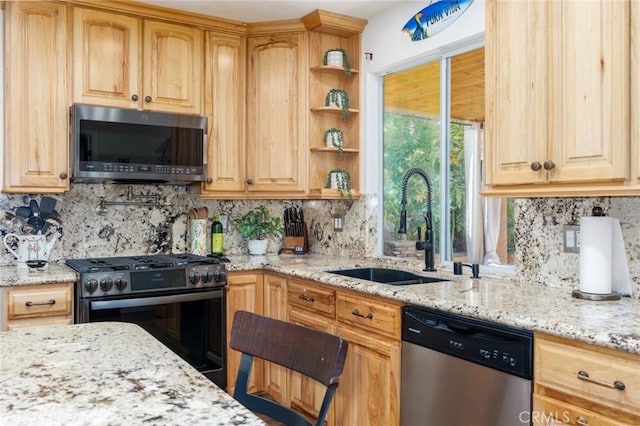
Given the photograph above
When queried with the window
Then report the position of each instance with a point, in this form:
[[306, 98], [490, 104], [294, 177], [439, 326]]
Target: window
[[468, 227]]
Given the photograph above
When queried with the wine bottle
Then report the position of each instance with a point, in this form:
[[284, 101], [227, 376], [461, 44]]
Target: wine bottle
[[216, 236]]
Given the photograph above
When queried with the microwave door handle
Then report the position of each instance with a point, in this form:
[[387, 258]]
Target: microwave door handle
[[156, 300]]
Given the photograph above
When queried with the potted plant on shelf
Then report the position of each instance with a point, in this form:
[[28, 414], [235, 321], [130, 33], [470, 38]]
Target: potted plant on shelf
[[257, 225], [340, 179], [334, 138], [338, 98], [337, 57]]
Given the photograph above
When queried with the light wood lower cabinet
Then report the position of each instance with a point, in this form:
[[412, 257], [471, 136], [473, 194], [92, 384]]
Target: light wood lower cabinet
[[369, 390], [244, 292], [275, 306], [37, 305], [580, 384]]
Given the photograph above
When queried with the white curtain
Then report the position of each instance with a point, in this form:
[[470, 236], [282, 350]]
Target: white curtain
[[482, 214], [473, 212]]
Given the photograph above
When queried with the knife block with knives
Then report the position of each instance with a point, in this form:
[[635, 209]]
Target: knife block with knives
[[295, 232]]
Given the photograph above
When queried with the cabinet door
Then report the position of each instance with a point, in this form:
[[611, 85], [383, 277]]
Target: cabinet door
[[225, 109], [244, 292], [590, 86], [517, 102], [106, 59], [307, 394], [635, 85], [369, 390], [173, 68], [275, 306], [276, 111], [36, 142]]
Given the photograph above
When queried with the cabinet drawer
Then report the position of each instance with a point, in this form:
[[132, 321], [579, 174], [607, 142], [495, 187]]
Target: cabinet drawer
[[602, 376], [39, 301], [548, 411], [311, 297], [369, 314]]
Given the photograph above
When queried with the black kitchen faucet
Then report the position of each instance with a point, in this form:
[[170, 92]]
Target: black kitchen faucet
[[428, 244]]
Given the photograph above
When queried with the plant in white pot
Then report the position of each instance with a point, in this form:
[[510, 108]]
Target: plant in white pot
[[340, 179], [257, 225], [334, 138], [337, 57], [338, 98]]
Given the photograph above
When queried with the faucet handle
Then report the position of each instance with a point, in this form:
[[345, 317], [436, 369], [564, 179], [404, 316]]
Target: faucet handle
[[475, 269]]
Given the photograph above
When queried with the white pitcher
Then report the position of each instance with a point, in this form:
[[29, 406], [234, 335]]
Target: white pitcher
[[31, 247]]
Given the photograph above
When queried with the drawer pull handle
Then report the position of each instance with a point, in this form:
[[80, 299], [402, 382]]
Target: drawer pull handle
[[50, 302], [583, 375], [358, 314], [581, 421], [307, 298]]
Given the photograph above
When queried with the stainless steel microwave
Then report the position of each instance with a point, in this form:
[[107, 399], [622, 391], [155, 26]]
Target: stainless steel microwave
[[125, 145]]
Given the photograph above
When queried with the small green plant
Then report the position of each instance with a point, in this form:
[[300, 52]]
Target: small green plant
[[342, 181], [258, 224], [339, 98], [336, 137], [345, 61]]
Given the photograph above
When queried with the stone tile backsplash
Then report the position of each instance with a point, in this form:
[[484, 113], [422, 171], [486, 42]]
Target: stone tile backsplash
[[134, 230]]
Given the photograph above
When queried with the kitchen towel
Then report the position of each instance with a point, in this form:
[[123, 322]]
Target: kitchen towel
[[603, 260]]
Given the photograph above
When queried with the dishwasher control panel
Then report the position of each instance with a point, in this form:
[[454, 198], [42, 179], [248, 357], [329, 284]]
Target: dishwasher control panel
[[498, 346]]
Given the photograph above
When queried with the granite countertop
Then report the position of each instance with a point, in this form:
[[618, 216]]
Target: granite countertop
[[613, 324], [105, 374], [502, 299], [52, 273]]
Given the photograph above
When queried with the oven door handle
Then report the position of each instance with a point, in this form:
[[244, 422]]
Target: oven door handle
[[155, 300]]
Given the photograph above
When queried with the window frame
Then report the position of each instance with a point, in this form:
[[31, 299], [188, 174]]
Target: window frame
[[444, 56]]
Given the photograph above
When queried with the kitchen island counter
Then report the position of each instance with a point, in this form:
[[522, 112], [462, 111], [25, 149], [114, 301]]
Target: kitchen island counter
[[105, 374]]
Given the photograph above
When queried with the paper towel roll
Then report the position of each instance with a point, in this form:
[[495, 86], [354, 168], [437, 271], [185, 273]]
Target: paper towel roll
[[596, 242]]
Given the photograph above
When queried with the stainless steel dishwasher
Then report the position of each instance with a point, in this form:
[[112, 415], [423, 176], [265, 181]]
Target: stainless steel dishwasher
[[463, 371]]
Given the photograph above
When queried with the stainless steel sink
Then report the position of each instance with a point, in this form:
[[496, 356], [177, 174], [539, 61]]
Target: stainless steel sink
[[386, 276]]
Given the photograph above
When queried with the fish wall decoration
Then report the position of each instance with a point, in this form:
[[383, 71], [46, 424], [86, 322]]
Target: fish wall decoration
[[434, 18]]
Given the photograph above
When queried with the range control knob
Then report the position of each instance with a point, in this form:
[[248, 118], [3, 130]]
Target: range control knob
[[206, 277], [106, 284], [120, 283], [194, 277], [219, 276], [91, 285]]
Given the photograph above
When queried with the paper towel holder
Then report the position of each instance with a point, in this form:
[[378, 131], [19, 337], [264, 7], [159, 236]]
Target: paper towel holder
[[597, 297]]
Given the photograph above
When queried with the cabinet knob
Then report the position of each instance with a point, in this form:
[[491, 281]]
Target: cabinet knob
[[147, 99], [134, 97], [549, 165], [209, 180], [535, 166], [63, 175], [249, 181]]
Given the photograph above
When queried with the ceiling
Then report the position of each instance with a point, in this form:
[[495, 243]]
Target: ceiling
[[418, 89], [272, 10]]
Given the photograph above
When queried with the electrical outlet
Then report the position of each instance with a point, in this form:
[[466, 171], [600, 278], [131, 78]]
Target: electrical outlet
[[571, 238]]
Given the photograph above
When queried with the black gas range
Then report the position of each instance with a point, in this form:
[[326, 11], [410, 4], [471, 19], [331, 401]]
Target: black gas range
[[115, 276], [177, 298]]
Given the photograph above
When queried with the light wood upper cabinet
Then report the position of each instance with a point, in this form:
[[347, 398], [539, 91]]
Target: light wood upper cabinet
[[276, 112], [107, 61], [558, 96], [225, 73], [123, 61], [36, 143]]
